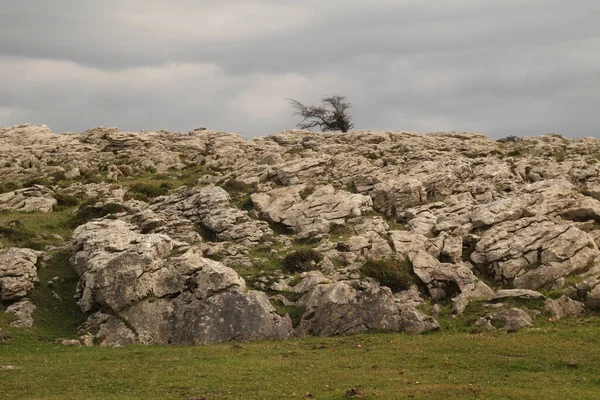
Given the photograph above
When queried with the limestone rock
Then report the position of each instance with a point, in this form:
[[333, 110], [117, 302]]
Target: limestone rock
[[297, 171], [164, 298], [23, 310], [398, 194], [32, 199], [534, 251], [510, 319], [587, 292], [563, 307], [524, 212], [337, 308], [317, 213], [18, 273], [210, 207], [500, 211], [368, 246], [524, 294], [71, 342], [443, 280]]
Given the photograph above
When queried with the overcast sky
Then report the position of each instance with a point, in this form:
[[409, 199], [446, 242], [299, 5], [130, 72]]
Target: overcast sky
[[500, 67]]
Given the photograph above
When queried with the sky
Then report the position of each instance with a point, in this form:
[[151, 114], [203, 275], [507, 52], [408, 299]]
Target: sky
[[499, 67]]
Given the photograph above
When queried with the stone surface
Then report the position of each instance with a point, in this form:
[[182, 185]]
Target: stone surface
[[510, 319], [23, 311], [318, 212], [462, 208], [210, 207], [563, 307], [32, 199], [455, 281], [163, 297], [18, 273], [524, 294], [532, 252], [337, 308]]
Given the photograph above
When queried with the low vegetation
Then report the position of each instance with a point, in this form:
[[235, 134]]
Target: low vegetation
[[90, 211], [35, 230], [147, 191], [552, 362], [394, 273], [301, 261]]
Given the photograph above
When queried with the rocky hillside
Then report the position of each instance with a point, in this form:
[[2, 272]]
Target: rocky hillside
[[206, 236]]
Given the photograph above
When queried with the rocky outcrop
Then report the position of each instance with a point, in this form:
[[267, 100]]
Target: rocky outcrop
[[338, 308], [321, 209], [150, 294], [32, 199], [458, 209], [533, 252], [563, 307], [18, 273], [455, 281], [210, 207], [22, 311], [510, 319]]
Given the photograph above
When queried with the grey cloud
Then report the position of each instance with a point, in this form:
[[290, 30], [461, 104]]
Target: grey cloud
[[500, 67]]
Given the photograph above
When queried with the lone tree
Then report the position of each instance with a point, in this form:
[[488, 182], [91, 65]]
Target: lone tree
[[331, 115]]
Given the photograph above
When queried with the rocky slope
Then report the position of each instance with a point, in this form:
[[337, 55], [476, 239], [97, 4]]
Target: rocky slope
[[206, 236]]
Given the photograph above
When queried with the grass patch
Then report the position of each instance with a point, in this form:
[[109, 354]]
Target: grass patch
[[146, 191], [351, 187], [294, 312], [340, 232], [34, 230], [551, 363], [42, 181], [64, 201], [281, 229], [395, 225], [243, 202], [57, 315], [532, 266], [173, 179]]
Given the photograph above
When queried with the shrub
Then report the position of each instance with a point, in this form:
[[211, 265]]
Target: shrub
[[235, 186], [395, 274], [6, 187], [294, 312], [66, 200], [36, 181], [331, 115], [307, 191], [206, 233], [301, 260], [511, 138], [59, 176], [150, 190], [88, 212], [351, 187]]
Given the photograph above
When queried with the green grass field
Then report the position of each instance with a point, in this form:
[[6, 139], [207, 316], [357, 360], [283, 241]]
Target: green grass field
[[557, 361]]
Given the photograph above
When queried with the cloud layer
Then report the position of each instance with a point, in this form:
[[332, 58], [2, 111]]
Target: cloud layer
[[501, 67]]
